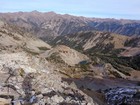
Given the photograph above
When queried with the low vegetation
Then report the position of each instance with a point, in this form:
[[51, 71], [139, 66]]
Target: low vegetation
[[31, 52], [43, 48], [55, 58]]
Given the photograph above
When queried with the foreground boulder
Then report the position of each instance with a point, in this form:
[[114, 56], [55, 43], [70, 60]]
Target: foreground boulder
[[123, 96]]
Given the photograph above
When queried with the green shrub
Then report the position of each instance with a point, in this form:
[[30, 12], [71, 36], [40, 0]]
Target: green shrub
[[43, 48], [55, 58]]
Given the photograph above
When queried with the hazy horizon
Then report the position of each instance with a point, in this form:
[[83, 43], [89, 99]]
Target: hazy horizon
[[118, 9]]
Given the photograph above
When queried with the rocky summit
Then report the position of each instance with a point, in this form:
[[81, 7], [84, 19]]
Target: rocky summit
[[53, 59]]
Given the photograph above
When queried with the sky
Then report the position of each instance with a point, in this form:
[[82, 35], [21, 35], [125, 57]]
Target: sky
[[120, 9]]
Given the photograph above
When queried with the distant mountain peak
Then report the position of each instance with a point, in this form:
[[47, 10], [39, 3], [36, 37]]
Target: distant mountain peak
[[51, 12], [35, 11]]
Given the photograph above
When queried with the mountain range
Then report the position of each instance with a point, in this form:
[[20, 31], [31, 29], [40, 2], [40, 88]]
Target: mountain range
[[53, 59], [52, 24]]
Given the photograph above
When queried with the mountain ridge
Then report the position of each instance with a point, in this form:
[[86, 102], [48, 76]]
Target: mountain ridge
[[56, 24], [53, 12]]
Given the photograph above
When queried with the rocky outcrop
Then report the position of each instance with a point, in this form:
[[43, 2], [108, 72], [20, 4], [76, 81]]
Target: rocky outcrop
[[30, 76], [123, 96]]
